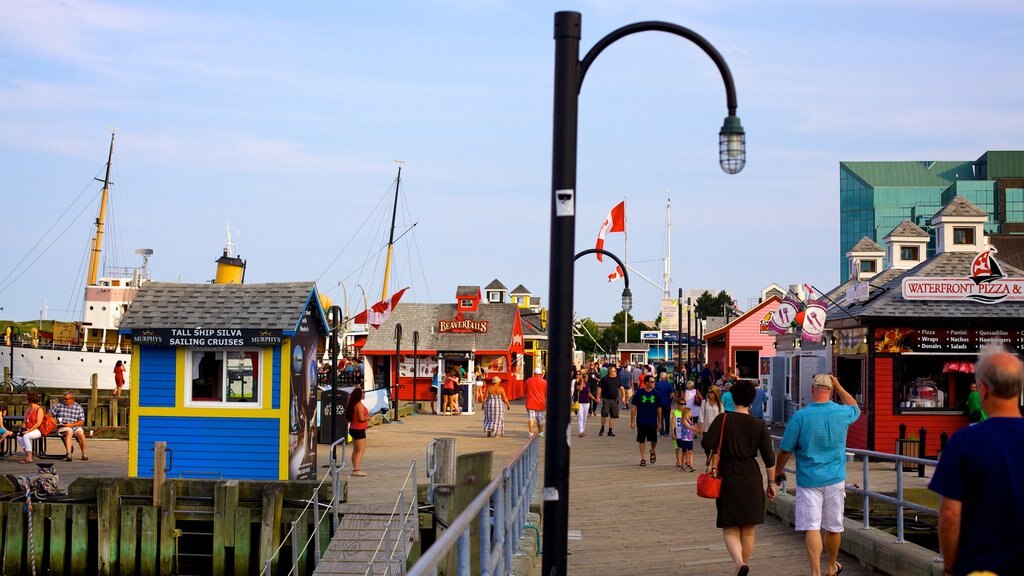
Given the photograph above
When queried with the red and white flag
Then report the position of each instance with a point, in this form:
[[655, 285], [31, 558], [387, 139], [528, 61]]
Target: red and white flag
[[615, 275], [615, 221], [380, 311]]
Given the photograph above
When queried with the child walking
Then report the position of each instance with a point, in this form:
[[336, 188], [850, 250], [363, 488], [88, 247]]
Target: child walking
[[684, 430]]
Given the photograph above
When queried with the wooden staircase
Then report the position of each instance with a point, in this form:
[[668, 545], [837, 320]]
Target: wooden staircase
[[360, 532]]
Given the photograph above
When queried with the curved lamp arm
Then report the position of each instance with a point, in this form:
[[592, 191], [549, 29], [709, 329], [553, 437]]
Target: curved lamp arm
[[627, 296], [732, 145]]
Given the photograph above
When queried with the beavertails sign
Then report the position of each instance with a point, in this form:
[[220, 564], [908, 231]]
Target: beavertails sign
[[986, 284], [462, 326]]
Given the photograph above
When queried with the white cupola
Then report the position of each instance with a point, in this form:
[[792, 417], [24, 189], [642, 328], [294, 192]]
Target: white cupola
[[865, 259], [906, 246], [960, 227]]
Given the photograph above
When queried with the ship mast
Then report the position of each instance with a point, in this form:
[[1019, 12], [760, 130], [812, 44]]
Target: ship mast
[[391, 239], [97, 241]]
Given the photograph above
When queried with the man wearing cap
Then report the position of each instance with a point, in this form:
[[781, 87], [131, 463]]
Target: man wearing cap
[[816, 434], [980, 477], [536, 400]]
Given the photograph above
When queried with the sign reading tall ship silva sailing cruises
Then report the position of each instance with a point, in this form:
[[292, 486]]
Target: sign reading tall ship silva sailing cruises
[[206, 337], [986, 284]]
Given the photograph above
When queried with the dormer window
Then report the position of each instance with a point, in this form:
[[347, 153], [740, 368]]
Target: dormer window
[[963, 235], [466, 303], [867, 266], [910, 253]]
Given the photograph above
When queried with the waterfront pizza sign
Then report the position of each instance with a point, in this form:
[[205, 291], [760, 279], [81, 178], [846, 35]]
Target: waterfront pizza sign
[[937, 340], [986, 284]]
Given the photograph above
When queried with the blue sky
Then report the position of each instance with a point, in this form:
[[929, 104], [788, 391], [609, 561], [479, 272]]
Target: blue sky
[[284, 119]]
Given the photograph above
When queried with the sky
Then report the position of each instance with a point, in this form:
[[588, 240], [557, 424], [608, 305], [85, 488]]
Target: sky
[[284, 121]]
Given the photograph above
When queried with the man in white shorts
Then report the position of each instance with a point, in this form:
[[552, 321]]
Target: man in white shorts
[[816, 434]]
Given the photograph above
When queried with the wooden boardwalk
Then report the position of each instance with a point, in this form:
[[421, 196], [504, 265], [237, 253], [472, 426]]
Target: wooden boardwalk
[[623, 519]]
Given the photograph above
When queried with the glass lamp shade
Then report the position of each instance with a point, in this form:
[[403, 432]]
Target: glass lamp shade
[[732, 146], [627, 300]]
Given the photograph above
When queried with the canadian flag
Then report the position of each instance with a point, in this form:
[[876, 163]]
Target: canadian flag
[[615, 221], [615, 275], [379, 312]]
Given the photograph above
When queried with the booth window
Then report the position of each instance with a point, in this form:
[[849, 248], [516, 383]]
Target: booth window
[[867, 265], [637, 358], [909, 253], [932, 382], [224, 376]]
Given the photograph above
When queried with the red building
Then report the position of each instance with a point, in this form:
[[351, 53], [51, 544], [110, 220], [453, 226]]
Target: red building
[[742, 343], [905, 341], [466, 334]]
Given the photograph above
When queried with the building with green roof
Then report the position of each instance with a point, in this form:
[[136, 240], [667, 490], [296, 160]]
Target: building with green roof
[[875, 197]]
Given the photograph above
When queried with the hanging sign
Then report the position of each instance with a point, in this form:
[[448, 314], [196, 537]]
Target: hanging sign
[[986, 284], [206, 337], [814, 321], [785, 314]]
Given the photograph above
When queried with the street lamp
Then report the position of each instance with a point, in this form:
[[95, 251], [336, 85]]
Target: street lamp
[[569, 74], [627, 296]]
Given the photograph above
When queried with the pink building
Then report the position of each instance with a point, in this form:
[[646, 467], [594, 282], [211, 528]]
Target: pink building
[[742, 343]]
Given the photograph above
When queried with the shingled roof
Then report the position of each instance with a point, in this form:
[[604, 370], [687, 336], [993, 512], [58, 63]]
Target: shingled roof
[[496, 285], [467, 292], [866, 244], [424, 317], [960, 207], [908, 229], [520, 290], [888, 302], [272, 306]]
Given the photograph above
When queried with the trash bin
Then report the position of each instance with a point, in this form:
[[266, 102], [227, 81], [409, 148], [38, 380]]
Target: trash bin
[[327, 413]]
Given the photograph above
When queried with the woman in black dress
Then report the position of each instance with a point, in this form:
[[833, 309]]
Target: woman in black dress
[[741, 503]]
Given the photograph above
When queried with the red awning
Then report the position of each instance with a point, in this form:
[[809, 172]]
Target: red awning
[[965, 367], [360, 341]]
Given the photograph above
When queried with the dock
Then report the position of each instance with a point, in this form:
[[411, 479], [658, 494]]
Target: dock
[[623, 518]]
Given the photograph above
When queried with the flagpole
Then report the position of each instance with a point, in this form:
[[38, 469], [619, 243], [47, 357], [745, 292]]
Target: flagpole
[[625, 263]]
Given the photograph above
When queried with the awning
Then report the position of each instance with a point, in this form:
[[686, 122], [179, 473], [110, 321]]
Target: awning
[[360, 341], [965, 367]]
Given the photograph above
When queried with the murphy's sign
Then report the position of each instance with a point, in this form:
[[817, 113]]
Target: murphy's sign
[[462, 326], [206, 337], [986, 284]]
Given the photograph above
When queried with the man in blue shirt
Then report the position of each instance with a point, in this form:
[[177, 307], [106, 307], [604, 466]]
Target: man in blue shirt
[[626, 380], [757, 408], [664, 389], [980, 477], [816, 434], [645, 418]]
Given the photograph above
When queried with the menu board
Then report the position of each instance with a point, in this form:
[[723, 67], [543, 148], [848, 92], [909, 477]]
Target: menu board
[[967, 340]]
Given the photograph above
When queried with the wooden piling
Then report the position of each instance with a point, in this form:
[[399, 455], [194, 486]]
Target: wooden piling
[[14, 545], [129, 540], [270, 525], [225, 501], [94, 400], [159, 470], [80, 539], [148, 548], [243, 540], [168, 533], [473, 473], [39, 513], [58, 538], [446, 454], [108, 501]]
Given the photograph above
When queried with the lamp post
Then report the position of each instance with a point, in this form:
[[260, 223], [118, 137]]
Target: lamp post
[[679, 334], [398, 353], [415, 366], [335, 323], [689, 335], [569, 74]]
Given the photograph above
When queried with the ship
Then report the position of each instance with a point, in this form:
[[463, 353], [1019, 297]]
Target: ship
[[69, 355]]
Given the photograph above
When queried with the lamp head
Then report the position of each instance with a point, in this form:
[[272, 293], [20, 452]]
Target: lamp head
[[732, 146], [627, 300]]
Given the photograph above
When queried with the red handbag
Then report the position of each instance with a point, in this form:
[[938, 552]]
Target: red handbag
[[709, 483]]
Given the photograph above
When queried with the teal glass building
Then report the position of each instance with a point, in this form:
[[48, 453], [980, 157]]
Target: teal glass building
[[874, 197]]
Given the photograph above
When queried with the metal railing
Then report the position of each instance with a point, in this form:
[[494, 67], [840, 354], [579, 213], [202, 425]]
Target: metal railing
[[500, 511], [298, 549], [392, 541], [867, 494]]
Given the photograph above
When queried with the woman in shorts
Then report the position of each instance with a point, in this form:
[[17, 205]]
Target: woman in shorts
[[359, 419]]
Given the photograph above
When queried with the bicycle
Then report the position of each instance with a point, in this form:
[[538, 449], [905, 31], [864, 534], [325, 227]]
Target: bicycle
[[23, 386]]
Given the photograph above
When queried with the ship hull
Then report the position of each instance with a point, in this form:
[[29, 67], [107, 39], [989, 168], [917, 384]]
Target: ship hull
[[64, 368]]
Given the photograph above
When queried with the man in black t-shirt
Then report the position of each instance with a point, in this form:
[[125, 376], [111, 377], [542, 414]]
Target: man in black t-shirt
[[645, 418], [610, 392]]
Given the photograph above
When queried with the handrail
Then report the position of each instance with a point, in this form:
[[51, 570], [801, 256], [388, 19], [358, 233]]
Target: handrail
[[406, 511], [509, 496], [868, 494], [334, 473]]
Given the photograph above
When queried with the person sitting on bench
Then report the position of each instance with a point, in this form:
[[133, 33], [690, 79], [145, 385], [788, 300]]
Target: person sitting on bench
[[70, 418]]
